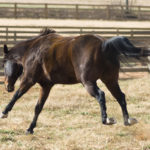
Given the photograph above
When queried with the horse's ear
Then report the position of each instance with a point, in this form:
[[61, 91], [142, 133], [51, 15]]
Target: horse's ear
[[5, 49]]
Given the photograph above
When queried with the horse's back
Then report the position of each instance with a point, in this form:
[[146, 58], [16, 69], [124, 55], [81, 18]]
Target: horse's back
[[68, 57]]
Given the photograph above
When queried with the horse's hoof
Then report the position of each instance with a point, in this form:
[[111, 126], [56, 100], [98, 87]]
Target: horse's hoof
[[28, 132], [132, 121], [110, 121], [3, 115]]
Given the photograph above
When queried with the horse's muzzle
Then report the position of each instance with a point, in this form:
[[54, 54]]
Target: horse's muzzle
[[9, 88]]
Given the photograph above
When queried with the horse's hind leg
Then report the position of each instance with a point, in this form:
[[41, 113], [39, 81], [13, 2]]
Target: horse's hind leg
[[115, 90], [24, 86], [94, 91], [38, 108]]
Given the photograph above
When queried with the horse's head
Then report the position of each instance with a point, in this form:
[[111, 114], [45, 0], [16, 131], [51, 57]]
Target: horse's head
[[12, 70]]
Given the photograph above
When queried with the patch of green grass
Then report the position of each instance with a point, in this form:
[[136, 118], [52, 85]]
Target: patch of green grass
[[12, 133], [84, 113], [148, 117], [7, 132], [147, 147], [89, 114], [67, 111], [122, 134], [69, 128], [19, 144], [7, 139]]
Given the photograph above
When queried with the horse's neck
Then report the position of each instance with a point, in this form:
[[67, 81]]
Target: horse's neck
[[18, 55]]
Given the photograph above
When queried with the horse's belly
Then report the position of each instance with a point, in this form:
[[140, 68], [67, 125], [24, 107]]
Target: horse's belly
[[63, 77]]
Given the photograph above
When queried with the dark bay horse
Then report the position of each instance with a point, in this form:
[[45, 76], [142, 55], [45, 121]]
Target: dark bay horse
[[50, 59]]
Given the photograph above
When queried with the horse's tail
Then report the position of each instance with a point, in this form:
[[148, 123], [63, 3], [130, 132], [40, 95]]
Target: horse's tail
[[119, 45]]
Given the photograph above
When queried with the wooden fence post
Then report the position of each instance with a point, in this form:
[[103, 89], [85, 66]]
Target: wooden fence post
[[77, 11], [122, 12], [131, 33], [6, 34], [15, 36], [117, 32], [108, 12], [139, 12], [15, 10], [80, 31], [46, 11]]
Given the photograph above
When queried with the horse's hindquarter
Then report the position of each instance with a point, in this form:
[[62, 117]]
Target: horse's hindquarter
[[57, 62], [89, 60], [86, 57]]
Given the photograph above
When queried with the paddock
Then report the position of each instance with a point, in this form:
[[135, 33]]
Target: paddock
[[70, 119]]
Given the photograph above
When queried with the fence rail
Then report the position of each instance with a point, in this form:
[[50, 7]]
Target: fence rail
[[76, 11], [13, 34], [24, 32], [10, 35]]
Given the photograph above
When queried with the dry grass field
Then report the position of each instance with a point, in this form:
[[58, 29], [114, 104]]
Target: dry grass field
[[70, 119]]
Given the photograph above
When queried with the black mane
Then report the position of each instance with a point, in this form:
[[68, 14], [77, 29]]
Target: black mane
[[47, 31], [25, 44]]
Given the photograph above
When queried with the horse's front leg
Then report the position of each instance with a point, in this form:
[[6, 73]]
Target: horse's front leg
[[24, 86], [38, 108]]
